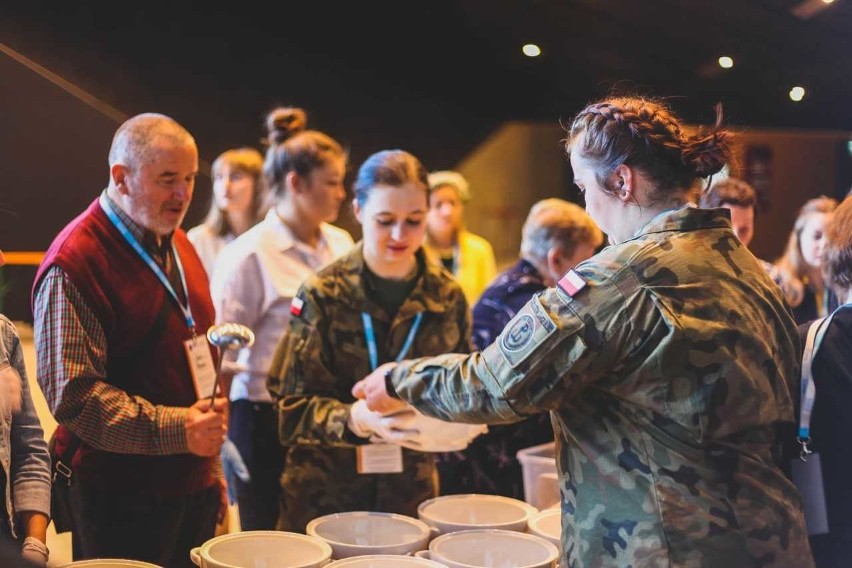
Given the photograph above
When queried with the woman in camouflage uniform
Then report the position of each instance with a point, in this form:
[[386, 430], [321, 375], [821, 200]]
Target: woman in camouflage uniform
[[380, 302], [666, 360]]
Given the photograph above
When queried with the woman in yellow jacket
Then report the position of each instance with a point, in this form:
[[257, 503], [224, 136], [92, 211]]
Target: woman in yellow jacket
[[469, 257]]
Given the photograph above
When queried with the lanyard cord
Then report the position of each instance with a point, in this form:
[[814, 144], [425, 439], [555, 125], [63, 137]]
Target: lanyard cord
[[155, 268], [370, 334]]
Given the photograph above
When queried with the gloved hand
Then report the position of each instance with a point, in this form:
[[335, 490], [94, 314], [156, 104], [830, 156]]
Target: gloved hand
[[430, 434], [234, 468], [391, 428]]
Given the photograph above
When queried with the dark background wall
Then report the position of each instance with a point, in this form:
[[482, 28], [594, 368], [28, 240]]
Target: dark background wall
[[438, 79]]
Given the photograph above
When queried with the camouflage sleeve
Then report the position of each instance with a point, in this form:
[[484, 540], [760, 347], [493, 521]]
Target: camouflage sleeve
[[302, 381], [553, 343]]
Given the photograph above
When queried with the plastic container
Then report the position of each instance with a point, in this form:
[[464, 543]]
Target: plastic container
[[541, 480]]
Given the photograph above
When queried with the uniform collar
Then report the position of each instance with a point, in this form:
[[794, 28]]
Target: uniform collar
[[427, 295], [687, 218]]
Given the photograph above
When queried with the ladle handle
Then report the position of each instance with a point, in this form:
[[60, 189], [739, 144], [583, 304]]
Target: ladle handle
[[216, 382]]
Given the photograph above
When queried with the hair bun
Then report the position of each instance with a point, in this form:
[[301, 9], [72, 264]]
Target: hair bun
[[284, 122], [706, 154]]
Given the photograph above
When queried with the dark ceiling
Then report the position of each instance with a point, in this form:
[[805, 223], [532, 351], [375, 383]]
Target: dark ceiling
[[432, 76], [398, 70]]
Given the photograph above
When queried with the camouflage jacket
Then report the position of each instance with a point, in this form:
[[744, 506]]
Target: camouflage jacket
[[321, 356], [668, 374]]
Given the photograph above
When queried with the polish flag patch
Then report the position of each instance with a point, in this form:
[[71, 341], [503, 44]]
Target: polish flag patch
[[296, 306], [571, 283]]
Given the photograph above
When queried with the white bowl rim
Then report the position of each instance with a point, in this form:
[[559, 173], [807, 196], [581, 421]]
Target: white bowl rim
[[95, 561], [310, 529], [551, 548], [534, 524], [344, 561], [530, 510], [545, 513], [205, 547]]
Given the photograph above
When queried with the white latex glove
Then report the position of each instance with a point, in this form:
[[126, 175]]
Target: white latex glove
[[392, 428], [10, 390], [435, 435]]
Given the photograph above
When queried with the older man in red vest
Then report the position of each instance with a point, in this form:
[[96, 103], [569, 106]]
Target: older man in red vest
[[121, 305]]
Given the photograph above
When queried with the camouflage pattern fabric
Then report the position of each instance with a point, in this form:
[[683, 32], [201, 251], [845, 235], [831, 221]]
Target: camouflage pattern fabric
[[489, 464], [668, 375], [321, 356]]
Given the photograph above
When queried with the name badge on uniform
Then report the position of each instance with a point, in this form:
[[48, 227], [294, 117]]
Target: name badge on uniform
[[379, 458], [200, 365]]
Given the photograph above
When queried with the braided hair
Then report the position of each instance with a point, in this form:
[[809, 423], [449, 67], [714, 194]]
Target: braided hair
[[646, 134]]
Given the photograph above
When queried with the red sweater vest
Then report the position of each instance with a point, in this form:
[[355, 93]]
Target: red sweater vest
[[127, 298]]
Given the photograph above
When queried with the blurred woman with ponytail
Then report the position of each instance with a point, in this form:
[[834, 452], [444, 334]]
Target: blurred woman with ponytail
[[256, 278], [666, 362], [800, 268], [237, 204]]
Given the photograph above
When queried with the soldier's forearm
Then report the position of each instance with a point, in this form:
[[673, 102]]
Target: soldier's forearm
[[453, 387]]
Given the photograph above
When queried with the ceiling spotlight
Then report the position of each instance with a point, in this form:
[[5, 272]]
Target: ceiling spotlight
[[827, 1], [531, 50], [726, 62], [797, 94]]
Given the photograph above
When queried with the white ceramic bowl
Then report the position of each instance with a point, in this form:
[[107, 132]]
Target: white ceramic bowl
[[452, 513], [492, 548], [109, 563], [360, 533], [262, 549], [548, 525], [385, 561]]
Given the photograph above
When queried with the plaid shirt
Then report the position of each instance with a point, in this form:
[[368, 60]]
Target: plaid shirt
[[71, 367]]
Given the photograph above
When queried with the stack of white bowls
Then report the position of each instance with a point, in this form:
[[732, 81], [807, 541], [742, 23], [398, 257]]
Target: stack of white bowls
[[361, 533], [262, 549], [385, 561], [452, 513], [109, 563], [491, 548], [548, 525]]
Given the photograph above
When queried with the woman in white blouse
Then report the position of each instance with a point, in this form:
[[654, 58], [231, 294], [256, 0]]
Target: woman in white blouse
[[255, 279], [238, 203]]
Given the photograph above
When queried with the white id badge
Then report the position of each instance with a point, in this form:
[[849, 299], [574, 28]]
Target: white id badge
[[200, 365], [379, 458], [807, 477]]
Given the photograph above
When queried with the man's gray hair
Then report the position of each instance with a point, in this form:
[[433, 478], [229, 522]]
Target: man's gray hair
[[556, 222], [135, 138]]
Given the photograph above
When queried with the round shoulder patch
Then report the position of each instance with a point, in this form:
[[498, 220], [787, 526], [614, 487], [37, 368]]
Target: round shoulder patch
[[521, 332]]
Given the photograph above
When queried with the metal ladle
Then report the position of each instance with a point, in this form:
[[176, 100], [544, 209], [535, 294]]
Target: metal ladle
[[227, 336]]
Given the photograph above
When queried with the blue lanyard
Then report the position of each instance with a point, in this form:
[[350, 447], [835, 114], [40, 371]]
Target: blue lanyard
[[816, 332], [370, 333], [158, 272]]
